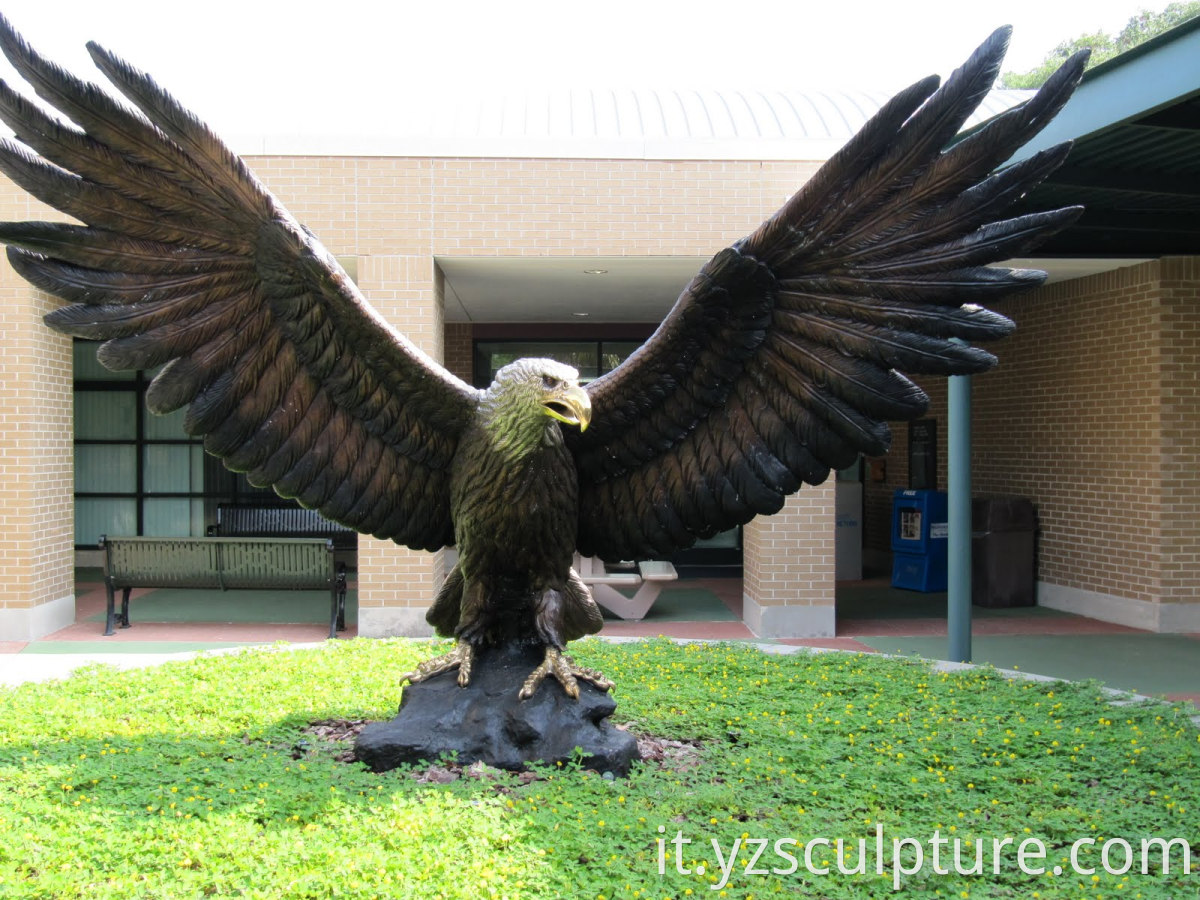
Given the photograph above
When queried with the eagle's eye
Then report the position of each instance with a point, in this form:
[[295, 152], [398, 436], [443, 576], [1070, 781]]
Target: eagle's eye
[[549, 382]]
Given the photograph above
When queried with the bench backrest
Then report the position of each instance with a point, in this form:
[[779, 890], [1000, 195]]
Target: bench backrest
[[218, 562], [252, 521]]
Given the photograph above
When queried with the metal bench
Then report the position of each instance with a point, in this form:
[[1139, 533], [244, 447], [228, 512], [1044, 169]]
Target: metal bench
[[234, 520], [649, 579], [222, 563]]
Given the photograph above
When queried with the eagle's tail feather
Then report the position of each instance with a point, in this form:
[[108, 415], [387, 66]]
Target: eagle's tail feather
[[447, 606]]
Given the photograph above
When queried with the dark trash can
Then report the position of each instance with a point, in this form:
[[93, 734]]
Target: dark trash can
[[1003, 530]]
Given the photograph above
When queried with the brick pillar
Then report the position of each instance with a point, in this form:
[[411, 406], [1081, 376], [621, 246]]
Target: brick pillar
[[396, 585], [459, 350], [788, 566], [1179, 424], [37, 542]]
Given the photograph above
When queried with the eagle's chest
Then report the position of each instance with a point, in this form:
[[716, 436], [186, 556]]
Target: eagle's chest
[[514, 512]]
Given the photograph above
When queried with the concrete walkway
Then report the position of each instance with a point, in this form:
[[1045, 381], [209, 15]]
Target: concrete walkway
[[16, 668]]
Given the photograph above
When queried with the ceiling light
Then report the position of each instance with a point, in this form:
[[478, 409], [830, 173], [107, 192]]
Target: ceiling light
[[580, 315], [595, 271]]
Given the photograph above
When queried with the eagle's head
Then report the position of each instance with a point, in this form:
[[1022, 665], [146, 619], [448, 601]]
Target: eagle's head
[[527, 394]]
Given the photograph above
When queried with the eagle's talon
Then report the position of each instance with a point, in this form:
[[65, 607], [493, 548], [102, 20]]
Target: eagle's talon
[[591, 675], [565, 672], [461, 658], [464, 665]]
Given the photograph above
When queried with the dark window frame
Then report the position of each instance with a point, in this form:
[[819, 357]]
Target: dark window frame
[[220, 486], [481, 374]]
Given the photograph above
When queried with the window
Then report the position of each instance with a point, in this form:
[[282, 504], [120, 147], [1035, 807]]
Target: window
[[592, 358], [136, 473], [140, 474]]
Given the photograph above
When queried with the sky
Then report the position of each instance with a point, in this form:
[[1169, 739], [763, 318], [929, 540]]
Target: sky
[[254, 67]]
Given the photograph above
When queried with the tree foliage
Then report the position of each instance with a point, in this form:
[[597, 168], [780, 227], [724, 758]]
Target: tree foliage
[[1137, 30]]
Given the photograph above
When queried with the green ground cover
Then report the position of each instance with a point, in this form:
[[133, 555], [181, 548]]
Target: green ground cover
[[207, 779]]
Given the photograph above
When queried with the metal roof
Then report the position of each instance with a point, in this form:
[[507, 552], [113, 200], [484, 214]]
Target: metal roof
[[1135, 164], [623, 124]]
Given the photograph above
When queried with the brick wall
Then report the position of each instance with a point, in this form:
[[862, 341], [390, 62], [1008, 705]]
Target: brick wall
[[36, 476], [1093, 414], [1071, 419], [1179, 420], [788, 567], [397, 206], [459, 358]]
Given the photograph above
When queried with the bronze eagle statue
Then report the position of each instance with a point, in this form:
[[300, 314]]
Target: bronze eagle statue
[[780, 361]]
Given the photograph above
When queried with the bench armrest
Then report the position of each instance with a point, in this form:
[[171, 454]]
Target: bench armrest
[[618, 580], [657, 570]]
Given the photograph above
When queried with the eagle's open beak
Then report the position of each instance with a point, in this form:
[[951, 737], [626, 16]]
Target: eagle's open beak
[[569, 404]]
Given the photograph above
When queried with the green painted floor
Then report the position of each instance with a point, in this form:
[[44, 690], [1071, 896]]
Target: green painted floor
[[191, 605], [677, 603], [1146, 663], [879, 600], [674, 604]]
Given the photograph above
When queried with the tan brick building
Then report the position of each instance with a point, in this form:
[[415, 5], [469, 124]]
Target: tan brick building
[[1093, 413]]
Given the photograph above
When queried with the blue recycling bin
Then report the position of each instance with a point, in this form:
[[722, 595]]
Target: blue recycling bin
[[919, 529]]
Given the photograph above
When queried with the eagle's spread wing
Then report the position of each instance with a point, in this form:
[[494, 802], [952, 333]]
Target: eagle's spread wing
[[782, 359], [185, 258]]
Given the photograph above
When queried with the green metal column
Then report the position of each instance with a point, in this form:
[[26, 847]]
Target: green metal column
[[958, 462]]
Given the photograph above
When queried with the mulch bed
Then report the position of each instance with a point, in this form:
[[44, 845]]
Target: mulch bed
[[337, 736]]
